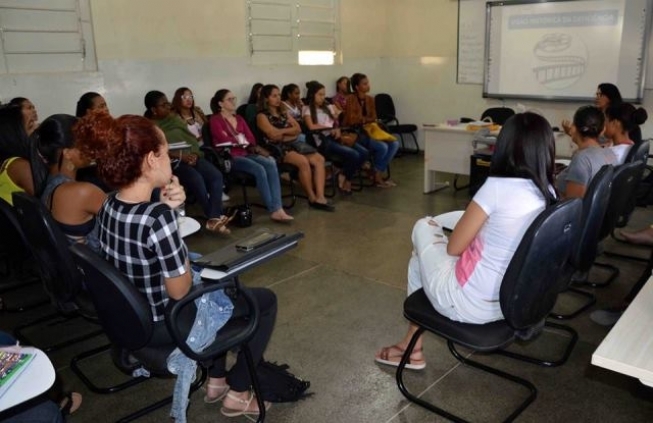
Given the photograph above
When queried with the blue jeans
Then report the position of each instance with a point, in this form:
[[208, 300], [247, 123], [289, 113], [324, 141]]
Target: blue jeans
[[205, 182], [38, 410], [382, 151], [264, 169], [352, 157]]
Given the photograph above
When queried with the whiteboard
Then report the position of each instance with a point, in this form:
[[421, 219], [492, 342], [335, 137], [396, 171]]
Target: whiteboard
[[471, 35]]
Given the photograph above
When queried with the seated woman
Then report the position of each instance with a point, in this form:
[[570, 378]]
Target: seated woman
[[142, 239], [21, 167], [319, 115], [291, 97], [360, 110], [30, 117], [254, 93], [281, 129], [196, 174], [90, 101], [621, 120], [461, 275], [343, 91], [73, 204], [229, 128], [585, 130], [183, 105]]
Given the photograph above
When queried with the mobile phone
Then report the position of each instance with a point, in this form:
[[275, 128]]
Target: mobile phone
[[256, 241]]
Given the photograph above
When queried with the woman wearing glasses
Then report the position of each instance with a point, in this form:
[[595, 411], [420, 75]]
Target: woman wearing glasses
[[229, 128], [183, 105]]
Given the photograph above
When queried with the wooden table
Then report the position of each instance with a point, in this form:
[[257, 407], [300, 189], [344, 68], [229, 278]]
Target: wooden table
[[628, 347]]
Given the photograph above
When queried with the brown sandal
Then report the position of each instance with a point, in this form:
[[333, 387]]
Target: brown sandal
[[385, 357], [219, 224]]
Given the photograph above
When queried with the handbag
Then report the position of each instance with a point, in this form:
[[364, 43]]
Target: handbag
[[277, 384], [348, 139], [374, 131], [302, 148], [223, 160]]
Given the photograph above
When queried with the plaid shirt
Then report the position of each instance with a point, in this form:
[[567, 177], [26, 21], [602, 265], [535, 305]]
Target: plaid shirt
[[143, 241]]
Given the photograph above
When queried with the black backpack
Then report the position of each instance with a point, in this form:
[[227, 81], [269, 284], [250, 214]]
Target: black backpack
[[278, 384]]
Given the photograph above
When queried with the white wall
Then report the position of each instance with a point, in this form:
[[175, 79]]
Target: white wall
[[407, 48]]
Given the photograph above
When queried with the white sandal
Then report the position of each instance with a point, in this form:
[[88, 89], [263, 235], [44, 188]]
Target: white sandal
[[231, 412], [208, 400]]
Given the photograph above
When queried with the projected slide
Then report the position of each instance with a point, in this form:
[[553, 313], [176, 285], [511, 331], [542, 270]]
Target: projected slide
[[565, 49]]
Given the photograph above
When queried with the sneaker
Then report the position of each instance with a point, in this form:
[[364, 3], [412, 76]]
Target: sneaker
[[225, 197], [606, 317]]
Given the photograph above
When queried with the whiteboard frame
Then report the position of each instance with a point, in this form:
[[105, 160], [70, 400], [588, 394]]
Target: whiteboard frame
[[643, 69]]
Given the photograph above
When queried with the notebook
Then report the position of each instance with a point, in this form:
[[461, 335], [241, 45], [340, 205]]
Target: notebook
[[13, 361], [230, 256]]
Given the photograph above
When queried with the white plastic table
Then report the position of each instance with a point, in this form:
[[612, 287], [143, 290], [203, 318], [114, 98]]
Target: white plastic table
[[37, 378], [188, 226]]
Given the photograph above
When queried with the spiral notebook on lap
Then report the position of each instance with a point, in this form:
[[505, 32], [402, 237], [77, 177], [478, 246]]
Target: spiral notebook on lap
[[245, 249]]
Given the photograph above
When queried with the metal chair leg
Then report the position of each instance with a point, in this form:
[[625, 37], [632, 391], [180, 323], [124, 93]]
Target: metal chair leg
[[74, 366], [255, 385], [591, 300], [55, 318], [547, 363], [404, 360], [614, 272]]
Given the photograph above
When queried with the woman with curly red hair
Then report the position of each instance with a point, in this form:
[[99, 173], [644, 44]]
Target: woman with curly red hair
[[142, 239]]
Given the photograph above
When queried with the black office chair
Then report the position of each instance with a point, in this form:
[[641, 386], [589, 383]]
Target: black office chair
[[595, 204], [386, 113], [528, 293], [16, 257], [499, 115], [624, 183], [126, 317], [61, 280]]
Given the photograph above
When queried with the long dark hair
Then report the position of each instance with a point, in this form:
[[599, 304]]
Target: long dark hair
[[176, 101], [150, 100], [254, 93], [85, 102], [14, 142], [356, 79], [263, 105], [313, 87], [217, 98], [629, 116], [55, 134], [525, 149], [611, 92], [287, 90], [589, 121], [343, 78]]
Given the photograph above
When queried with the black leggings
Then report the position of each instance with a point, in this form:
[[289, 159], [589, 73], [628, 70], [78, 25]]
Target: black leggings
[[238, 376]]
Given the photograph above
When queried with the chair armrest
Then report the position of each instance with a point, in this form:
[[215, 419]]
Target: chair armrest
[[224, 341]]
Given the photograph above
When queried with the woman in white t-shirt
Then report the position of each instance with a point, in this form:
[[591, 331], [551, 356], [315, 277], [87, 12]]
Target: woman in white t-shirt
[[461, 275], [620, 121], [320, 115]]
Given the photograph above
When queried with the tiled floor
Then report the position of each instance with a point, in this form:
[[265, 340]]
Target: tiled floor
[[340, 298]]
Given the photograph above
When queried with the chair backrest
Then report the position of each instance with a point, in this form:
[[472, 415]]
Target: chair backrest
[[499, 115], [529, 287], [207, 138], [123, 311], [240, 111], [385, 107], [638, 152], [49, 246], [622, 196], [13, 237], [595, 205]]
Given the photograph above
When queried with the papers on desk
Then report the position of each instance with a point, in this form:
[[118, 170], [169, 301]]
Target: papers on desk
[[178, 145], [13, 361]]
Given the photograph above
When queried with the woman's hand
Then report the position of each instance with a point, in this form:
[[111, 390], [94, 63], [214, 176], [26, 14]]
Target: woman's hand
[[335, 133], [566, 127], [190, 159], [173, 193]]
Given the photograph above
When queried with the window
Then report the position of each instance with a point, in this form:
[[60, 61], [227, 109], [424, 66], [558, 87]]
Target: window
[[300, 31], [46, 36]]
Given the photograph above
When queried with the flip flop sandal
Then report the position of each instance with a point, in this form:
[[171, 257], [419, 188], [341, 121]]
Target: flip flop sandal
[[388, 360], [219, 224], [230, 412]]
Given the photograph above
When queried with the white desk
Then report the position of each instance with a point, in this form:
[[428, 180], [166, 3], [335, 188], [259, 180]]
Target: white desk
[[628, 348], [448, 148], [188, 226], [37, 378]]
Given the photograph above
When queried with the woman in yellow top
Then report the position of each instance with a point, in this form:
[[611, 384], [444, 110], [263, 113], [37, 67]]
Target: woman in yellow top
[[21, 169]]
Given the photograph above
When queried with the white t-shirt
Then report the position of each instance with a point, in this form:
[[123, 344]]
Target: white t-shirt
[[511, 205], [323, 119], [621, 151]]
